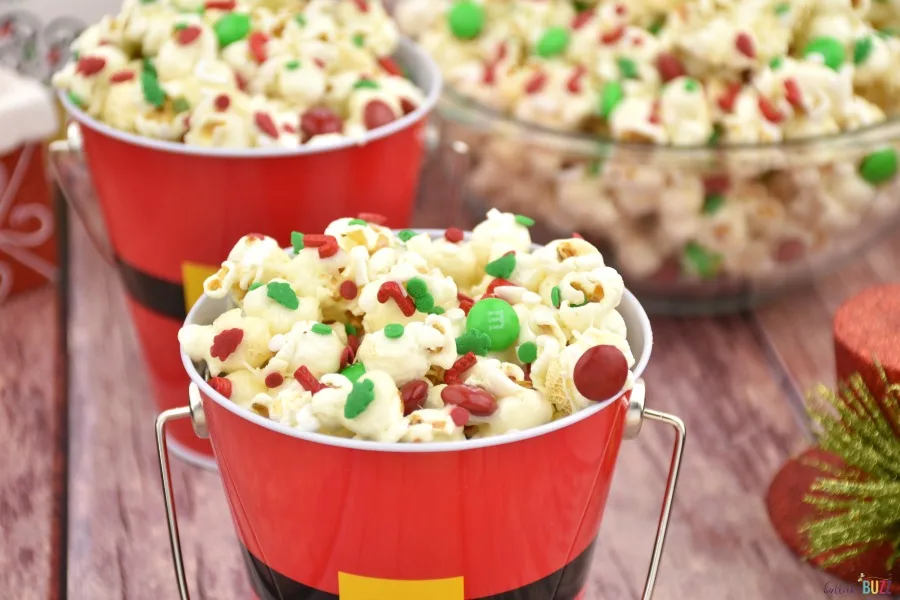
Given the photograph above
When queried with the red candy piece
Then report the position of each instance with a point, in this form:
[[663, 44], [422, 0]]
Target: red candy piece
[[460, 416], [669, 66], [349, 290], [320, 120], [361, 5], [257, 45], [727, 99], [376, 218], [90, 65], [716, 184], [188, 35], [407, 105], [377, 114], [390, 66], [792, 93], [611, 37], [454, 235], [327, 244], [744, 44], [222, 102], [582, 18], [600, 373], [273, 380], [466, 306], [122, 77], [463, 363], [574, 83], [391, 290], [225, 343], [221, 385], [768, 110], [347, 356], [477, 401], [307, 380], [353, 342], [413, 394], [536, 83], [220, 5], [265, 124]]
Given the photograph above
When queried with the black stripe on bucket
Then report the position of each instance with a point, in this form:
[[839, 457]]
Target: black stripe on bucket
[[564, 584], [159, 295]]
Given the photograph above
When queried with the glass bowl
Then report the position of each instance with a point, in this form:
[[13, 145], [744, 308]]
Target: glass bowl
[[693, 230]]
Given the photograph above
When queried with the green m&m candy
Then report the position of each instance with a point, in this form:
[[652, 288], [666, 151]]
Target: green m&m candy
[[231, 28], [879, 166], [553, 43], [466, 19], [496, 319], [830, 49]]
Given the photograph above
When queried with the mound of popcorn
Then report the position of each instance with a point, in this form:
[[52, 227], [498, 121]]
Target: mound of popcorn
[[704, 74], [242, 73], [363, 333]]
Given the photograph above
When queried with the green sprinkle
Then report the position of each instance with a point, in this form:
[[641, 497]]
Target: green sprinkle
[[282, 293], [425, 303], [149, 67], [393, 331], [527, 353], [657, 26], [437, 310], [691, 85], [553, 42], [830, 49], [702, 261], [406, 235], [715, 135], [350, 329], [503, 267], [782, 8], [524, 221], [610, 98], [180, 105], [253, 286], [292, 65], [300, 20], [147, 1], [153, 93], [776, 63], [359, 40], [76, 55], [321, 329], [595, 167], [861, 50], [475, 341], [555, 297], [581, 6], [297, 241], [76, 100], [365, 84], [180, 26], [466, 19], [713, 203], [627, 68], [497, 319], [887, 32], [354, 372], [416, 287], [357, 222], [231, 28], [879, 166], [359, 399]]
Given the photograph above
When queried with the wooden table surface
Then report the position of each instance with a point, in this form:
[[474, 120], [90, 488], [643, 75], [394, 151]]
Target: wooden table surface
[[81, 512]]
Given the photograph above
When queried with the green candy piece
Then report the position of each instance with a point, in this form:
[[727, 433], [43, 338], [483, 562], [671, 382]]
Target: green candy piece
[[354, 371], [830, 49], [393, 331], [610, 98], [357, 222], [365, 84], [292, 65], [466, 19], [782, 8], [437, 310], [350, 329], [524, 221], [321, 329], [416, 287], [527, 353], [76, 99], [300, 20], [702, 261], [879, 166], [297, 241], [475, 342], [153, 93], [713, 203], [861, 50], [715, 135], [657, 26], [406, 235], [359, 40], [691, 85], [425, 303], [149, 67], [231, 28], [359, 399], [553, 43], [497, 319], [627, 68], [255, 285], [282, 293], [503, 267], [776, 63], [180, 105], [555, 297]]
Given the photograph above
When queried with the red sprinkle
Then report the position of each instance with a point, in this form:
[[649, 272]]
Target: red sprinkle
[[226, 342], [376, 218], [501, 52], [466, 305], [669, 66], [792, 93], [744, 44], [90, 65], [582, 18], [716, 184], [273, 380], [222, 102], [454, 234], [349, 290], [221, 385], [654, 113], [307, 380], [490, 74], [407, 105], [475, 400], [327, 244], [320, 120], [621, 10], [769, 111], [527, 370], [347, 356], [600, 373], [377, 114], [289, 128], [413, 393], [241, 82], [460, 416], [188, 35], [727, 99], [391, 290], [265, 124], [536, 83], [498, 282], [319, 63], [611, 37], [574, 83], [361, 5], [121, 77], [390, 66], [354, 342], [454, 374], [577, 235], [220, 5], [257, 44]]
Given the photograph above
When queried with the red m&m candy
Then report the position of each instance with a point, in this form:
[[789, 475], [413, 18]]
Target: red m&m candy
[[601, 373]]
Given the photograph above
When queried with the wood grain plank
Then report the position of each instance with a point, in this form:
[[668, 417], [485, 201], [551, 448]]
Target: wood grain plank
[[30, 421]]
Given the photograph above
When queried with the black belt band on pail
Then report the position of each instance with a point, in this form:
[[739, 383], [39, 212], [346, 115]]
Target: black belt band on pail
[[158, 295], [564, 584]]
